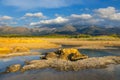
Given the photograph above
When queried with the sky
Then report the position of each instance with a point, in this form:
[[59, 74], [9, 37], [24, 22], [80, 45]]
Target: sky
[[36, 13]]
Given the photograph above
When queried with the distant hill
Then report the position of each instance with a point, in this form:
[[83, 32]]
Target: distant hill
[[63, 29]]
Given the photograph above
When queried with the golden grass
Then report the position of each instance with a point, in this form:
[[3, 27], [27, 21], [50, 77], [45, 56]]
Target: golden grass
[[5, 50], [12, 45], [85, 43], [8, 45]]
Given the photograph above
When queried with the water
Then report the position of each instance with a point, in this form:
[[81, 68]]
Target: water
[[4, 63], [100, 52], [89, 52], [110, 73]]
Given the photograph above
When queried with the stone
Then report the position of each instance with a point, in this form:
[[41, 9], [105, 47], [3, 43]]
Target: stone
[[78, 57], [65, 65], [51, 55], [71, 54], [66, 54], [14, 68]]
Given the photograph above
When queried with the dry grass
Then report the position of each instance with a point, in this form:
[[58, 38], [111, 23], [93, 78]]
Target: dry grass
[[8, 45], [86, 43], [12, 45]]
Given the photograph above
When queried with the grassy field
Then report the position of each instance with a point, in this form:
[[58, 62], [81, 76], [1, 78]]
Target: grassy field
[[98, 42], [25, 44], [12, 45]]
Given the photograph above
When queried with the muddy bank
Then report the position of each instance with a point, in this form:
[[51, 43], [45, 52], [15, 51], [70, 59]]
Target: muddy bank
[[64, 65]]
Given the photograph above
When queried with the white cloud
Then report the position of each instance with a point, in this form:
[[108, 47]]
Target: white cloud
[[38, 15], [3, 23], [102, 16], [31, 4], [109, 13], [115, 16], [105, 12], [6, 18], [58, 20], [82, 16]]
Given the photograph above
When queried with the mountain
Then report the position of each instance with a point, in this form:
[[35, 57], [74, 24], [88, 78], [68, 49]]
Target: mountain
[[14, 30], [63, 29]]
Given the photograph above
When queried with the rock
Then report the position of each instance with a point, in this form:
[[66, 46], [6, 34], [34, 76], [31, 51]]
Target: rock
[[66, 54], [65, 65], [51, 55], [36, 64], [14, 68], [78, 57]]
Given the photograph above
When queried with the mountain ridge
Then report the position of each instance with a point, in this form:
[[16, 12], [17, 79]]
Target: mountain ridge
[[65, 30]]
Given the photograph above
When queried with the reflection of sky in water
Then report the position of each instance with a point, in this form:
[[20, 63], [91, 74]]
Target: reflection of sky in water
[[89, 52], [16, 60], [110, 73], [101, 52]]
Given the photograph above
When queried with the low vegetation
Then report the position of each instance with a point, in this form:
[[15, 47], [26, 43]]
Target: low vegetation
[[12, 45]]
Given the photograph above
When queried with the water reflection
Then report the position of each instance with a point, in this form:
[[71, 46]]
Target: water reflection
[[100, 52], [110, 73], [16, 60]]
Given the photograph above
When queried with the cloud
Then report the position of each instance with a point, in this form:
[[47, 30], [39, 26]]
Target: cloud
[[82, 16], [58, 20], [37, 15], [109, 13], [6, 18], [102, 16], [31, 4], [34, 15], [3, 23], [72, 19]]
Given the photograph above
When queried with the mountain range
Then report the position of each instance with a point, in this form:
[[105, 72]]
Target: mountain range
[[59, 29]]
